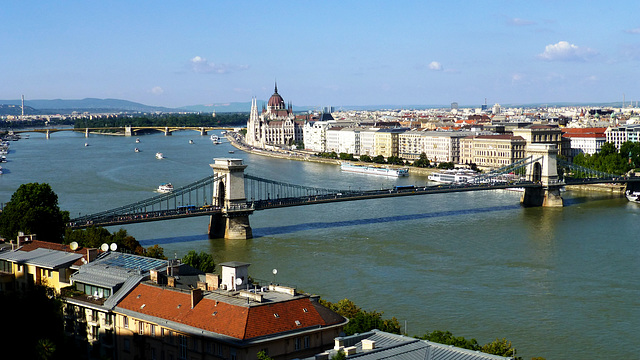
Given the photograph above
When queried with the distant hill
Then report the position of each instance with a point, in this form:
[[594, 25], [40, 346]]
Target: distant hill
[[89, 104], [234, 107]]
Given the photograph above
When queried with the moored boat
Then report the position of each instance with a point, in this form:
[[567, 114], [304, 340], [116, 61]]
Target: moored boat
[[165, 188], [374, 170], [159, 155], [633, 196], [453, 176]]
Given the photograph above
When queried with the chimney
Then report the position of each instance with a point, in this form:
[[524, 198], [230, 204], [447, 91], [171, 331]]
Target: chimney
[[196, 296], [171, 281], [173, 268], [212, 281], [91, 254], [153, 274], [368, 344]]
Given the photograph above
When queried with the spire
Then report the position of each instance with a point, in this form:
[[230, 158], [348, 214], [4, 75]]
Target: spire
[[276, 90]]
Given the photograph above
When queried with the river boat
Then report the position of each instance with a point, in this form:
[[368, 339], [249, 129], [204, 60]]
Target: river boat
[[86, 144], [215, 139], [165, 188], [137, 140], [453, 176], [159, 155], [374, 170], [190, 141], [3, 159], [1, 172], [633, 196], [136, 150], [231, 151]]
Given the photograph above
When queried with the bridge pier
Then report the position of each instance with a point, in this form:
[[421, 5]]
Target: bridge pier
[[545, 172], [127, 130], [229, 194], [86, 132], [167, 132], [542, 196], [203, 131], [47, 135]]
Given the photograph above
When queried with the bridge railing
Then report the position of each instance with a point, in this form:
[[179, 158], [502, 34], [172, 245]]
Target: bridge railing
[[257, 188]]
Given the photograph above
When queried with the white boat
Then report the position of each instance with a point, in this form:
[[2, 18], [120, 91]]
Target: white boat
[[165, 188], [453, 176], [136, 150], [137, 140], [633, 196], [190, 141], [86, 144], [215, 139], [159, 155], [374, 170], [231, 151], [3, 158]]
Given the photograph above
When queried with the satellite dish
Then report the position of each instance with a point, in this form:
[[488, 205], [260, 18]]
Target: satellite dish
[[274, 271], [238, 281], [113, 247], [73, 246], [104, 247]]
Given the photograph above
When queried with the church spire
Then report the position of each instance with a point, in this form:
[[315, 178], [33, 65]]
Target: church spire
[[276, 90]]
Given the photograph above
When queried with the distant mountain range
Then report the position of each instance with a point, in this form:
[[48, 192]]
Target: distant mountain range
[[93, 105]]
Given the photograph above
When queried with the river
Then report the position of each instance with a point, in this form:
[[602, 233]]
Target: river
[[558, 283]]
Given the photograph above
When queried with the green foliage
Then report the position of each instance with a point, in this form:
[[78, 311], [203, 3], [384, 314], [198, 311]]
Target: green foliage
[[345, 156], [94, 237], [340, 355], [422, 161], [378, 159], [202, 261], [262, 355], [326, 155], [609, 159], [36, 329], [33, 209], [447, 338], [361, 320], [395, 160], [446, 165], [155, 251], [500, 347], [365, 158]]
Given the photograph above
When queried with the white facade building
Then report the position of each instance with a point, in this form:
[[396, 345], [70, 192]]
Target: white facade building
[[621, 134], [315, 135], [437, 145]]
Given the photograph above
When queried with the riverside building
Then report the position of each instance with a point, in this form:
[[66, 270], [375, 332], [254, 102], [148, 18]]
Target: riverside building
[[275, 126]]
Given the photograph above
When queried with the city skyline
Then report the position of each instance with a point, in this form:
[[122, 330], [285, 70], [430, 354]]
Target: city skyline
[[320, 54]]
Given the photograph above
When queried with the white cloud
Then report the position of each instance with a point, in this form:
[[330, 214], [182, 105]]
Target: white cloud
[[436, 66], [517, 77], [203, 66], [520, 22], [157, 90], [633, 31], [563, 51]]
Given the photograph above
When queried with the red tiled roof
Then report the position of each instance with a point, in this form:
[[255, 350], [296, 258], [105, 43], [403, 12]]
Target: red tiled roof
[[499, 137], [240, 322]]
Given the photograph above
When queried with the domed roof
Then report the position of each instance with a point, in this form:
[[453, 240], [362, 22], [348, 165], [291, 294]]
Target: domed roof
[[276, 101]]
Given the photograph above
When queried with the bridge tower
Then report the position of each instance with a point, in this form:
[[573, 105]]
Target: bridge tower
[[545, 172], [167, 131], [86, 132], [127, 130], [203, 131], [228, 193]]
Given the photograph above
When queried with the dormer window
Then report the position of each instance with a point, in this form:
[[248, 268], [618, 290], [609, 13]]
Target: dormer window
[[275, 315], [305, 310], [298, 323]]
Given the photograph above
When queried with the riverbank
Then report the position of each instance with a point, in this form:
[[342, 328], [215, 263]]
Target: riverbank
[[235, 141]]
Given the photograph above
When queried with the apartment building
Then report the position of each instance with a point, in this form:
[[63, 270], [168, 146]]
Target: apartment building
[[621, 134], [386, 142], [315, 135], [492, 151], [585, 140], [439, 146]]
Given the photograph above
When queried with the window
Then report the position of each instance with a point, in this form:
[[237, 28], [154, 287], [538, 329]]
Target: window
[[125, 322], [183, 341], [94, 332], [140, 328], [152, 329], [127, 345], [296, 344], [307, 343]]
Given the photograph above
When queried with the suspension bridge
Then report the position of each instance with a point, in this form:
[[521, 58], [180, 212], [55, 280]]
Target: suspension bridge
[[230, 195]]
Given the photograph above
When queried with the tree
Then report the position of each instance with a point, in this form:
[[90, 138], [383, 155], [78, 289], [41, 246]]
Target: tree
[[201, 261], [262, 355], [95, 236], [155, 251], [446, 165], [365, 158], [33, 209], [395, 160], [447, 338], [378, 159], [500, 347], [360, 320], [345, 156], [422, 161], [340, 355]]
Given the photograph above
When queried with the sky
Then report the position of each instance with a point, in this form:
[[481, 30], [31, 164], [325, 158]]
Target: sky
[[322, 53]]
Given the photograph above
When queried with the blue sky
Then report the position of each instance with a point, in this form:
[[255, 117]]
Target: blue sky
[[321, 53]]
